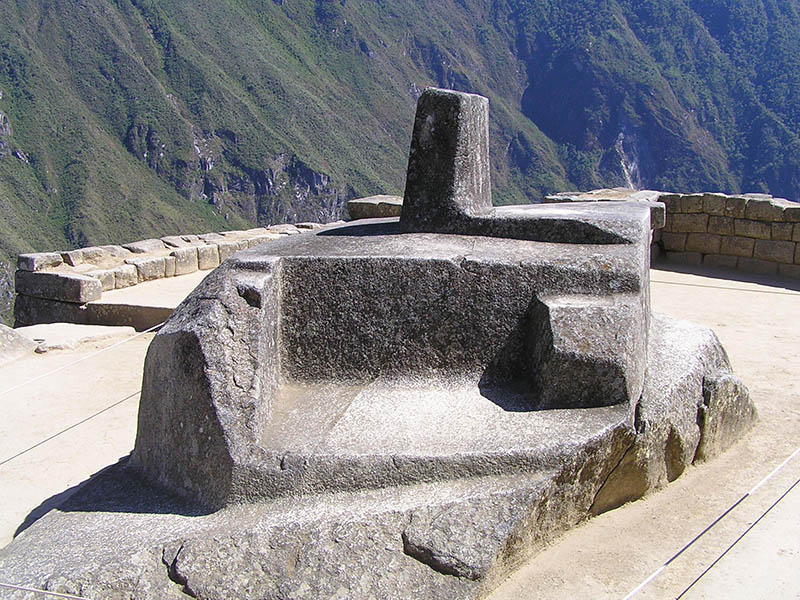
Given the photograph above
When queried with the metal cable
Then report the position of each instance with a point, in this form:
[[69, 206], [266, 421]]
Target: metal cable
[[661, 569]]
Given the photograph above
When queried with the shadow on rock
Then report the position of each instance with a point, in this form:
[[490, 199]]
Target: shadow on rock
[[368, 229]]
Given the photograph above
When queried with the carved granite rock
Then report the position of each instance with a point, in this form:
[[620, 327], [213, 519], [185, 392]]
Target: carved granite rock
[[397, 409]]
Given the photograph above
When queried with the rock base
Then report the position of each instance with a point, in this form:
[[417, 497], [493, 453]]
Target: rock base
[[446, 539]]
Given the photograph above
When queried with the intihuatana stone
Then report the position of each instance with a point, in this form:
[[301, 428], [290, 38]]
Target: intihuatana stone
[[395, 409], [653, 199], [448, 165], [725, 414]]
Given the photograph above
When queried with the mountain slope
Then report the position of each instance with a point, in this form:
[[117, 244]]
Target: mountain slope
[[128, 118]]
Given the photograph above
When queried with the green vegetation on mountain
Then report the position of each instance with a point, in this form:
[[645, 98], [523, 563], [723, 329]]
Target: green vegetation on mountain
[[122, 119]]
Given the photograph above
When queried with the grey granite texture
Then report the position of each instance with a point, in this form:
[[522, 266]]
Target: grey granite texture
[[452, 538], [448, 175], [692, 408], [177, 241], [649, 198], [365, 315]]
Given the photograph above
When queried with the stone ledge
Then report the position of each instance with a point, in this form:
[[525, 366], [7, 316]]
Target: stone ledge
[[374, 207], [658, 210]]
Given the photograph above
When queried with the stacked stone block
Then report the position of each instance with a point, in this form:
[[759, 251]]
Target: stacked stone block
[[754, 233]]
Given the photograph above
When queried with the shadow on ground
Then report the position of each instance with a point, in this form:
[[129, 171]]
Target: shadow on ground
[[115, 489], [727, 274]]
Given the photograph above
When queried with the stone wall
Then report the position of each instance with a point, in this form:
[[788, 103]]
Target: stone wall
[[81, 276], [749, 232], [753, 233]]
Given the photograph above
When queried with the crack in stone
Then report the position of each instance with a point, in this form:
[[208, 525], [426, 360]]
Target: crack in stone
[[173, 574], [610, 473], [437, 561]]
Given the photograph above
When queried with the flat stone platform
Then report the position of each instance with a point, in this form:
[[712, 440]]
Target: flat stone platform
[[408, 420]]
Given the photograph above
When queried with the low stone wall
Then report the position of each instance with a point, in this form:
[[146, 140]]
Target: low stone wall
[[758, 234], [750, 232], [80, 276]]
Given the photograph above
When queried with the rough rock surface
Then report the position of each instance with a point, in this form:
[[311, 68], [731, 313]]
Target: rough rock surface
[[360, 308], [448, 164], [692, 408], [455, 538]]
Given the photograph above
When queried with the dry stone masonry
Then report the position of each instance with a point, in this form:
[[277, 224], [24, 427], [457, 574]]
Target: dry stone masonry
[[751, 232], [49, 283], [397, 408], [754, 233]]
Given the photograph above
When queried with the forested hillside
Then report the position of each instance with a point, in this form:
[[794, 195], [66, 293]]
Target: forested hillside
[[121, 119]]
